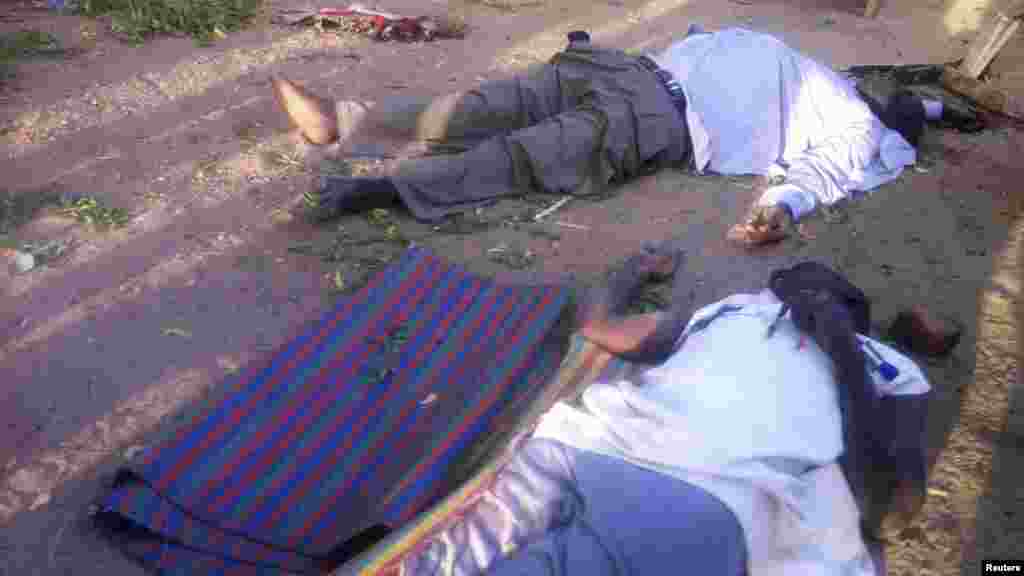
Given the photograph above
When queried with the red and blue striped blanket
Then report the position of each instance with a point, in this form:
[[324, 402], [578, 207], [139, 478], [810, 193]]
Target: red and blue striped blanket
[[359, 423]]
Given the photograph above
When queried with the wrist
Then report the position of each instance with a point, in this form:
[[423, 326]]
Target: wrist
[[793, 198]]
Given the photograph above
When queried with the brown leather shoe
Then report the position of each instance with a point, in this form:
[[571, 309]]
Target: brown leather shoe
[[925, 333], [313, 116]]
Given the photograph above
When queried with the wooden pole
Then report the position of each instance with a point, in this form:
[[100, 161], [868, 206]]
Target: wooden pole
[[984, 94], [872, 8], [989, 41]]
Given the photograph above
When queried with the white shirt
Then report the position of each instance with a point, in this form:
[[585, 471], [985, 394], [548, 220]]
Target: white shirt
[[754, 421], [756, 106]]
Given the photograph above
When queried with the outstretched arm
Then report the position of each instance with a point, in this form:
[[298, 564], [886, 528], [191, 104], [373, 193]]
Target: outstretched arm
[[626, 335], [843, 139], [819, 175], [645, 338]]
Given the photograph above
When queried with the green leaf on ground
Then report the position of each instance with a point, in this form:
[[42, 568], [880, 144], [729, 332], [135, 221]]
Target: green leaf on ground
[[338, 281], [91, 211], [204, 20], [27, 43]]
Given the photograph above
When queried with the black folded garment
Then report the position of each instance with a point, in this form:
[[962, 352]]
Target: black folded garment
[[894, 94], [885, 460], [897, 108]]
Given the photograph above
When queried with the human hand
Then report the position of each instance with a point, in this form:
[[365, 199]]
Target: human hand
[[763, 225]]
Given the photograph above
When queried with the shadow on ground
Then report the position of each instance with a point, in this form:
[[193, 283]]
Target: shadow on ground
[[192, 294]]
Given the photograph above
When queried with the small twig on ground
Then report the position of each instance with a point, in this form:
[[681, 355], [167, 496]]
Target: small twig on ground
[[515, 259], [571, 225], [551, 209]]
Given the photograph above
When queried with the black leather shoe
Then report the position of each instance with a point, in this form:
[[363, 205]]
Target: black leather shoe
[[336, 195]]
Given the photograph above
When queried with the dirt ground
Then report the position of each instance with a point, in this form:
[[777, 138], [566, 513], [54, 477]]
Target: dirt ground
[[217, 266]]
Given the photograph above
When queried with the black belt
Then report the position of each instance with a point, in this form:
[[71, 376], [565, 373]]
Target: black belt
[[671, 85]]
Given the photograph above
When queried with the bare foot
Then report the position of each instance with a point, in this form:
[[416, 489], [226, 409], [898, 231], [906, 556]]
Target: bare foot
[[312, 115]]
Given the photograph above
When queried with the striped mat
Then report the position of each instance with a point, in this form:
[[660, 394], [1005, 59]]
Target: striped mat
[[583, 364], [365, 420]]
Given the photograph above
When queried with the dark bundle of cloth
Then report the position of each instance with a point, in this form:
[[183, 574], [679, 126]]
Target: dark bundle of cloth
[[885, 459], [900, 110], [894, 94]]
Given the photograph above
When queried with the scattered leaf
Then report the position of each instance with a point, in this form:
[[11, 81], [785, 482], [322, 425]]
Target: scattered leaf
[[311, 199], [228, 365], [203, 20], [276, 159], [281, 216], [515, 259], [177, 332], [88, 210], [379, 217]]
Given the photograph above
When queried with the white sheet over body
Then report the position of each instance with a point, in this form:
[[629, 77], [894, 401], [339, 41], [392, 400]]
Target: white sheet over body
[[756, 106], [753, 420]]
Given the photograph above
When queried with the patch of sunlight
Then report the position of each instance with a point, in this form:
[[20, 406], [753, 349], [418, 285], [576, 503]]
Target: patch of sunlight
[[965, 16], [213, 115], [600, 24], [114, 153], [36, 127], [213, 181], [960, 476], [30, 485], [1008, 283], [652, 43], [154, 278], [153, 219]]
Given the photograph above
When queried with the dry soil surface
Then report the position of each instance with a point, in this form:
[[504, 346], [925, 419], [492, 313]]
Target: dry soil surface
[[217, 265]]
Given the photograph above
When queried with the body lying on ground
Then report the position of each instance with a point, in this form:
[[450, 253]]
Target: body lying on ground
[[721, 455], [729, 102]]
